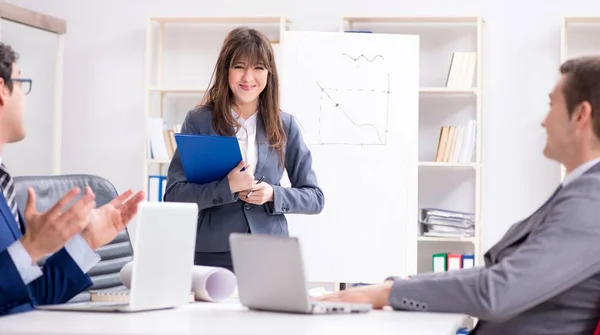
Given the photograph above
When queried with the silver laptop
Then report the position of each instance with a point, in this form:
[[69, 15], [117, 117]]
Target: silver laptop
[[163, 257], [270, 275]]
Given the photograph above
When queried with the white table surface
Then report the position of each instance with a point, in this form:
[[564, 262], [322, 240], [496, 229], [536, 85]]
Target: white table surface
[[228, 318]]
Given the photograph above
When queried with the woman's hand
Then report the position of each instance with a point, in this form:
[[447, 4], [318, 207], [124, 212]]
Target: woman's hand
[[240, 180], [258, 194]]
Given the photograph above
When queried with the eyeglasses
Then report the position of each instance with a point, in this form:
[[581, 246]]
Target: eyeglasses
[[25, 84]]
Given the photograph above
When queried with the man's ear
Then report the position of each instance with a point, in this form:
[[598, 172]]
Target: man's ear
[[583, 113], [3, 92]]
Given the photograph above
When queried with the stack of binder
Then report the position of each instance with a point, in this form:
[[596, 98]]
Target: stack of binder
[[444, 223]]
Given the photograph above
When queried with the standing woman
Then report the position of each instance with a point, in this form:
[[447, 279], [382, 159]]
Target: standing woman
[[243, 101]]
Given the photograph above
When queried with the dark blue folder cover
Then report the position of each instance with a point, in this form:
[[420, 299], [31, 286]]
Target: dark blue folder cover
[[207, 158]]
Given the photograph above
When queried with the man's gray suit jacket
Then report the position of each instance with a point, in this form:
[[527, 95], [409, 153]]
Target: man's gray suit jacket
[[542, 277]]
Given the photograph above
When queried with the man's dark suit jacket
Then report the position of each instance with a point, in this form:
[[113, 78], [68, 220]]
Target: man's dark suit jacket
[[62, 278]]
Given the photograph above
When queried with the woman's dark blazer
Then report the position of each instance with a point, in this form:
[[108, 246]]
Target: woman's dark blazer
[[222, 213]]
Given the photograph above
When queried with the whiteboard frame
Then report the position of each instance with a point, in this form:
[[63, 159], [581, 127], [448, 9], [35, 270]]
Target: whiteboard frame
[[410, 216]]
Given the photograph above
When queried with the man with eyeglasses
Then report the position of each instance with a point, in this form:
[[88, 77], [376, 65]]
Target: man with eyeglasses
[[25, 84], [70, 235]]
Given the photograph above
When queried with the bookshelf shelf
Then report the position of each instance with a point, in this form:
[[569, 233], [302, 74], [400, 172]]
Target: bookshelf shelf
[[582, 19], [445, 239], [451, 180], [408, 19], [222, 20], [168, 66], [159, 161]]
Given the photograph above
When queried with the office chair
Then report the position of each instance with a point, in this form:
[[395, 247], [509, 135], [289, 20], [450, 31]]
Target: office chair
[[114, 255]]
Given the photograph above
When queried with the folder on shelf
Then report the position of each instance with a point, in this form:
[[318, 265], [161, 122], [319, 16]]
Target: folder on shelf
[[207, 158], [156, 187], [439, 262], [468, 261], [454, 261], [442, 262]]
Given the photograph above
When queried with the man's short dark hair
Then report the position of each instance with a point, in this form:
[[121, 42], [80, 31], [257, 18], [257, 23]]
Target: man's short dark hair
[[8, 57], [582, 83]]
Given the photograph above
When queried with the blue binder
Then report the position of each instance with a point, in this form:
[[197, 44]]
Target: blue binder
[[468, 261], [156, 187], [207, 158]]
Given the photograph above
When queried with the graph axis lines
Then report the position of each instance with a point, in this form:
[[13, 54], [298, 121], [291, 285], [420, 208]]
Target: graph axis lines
[[336, 105]]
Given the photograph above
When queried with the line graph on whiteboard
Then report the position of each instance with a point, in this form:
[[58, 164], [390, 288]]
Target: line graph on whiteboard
[[356, 59], [353, 103]]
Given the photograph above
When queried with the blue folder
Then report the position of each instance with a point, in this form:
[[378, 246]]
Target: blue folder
[[207, 158]]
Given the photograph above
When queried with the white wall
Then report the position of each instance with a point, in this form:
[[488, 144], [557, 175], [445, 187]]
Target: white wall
[[104, 82]]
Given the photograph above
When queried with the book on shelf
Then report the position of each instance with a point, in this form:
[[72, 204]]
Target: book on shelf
[[462, 70], [456, 144], [437, 222], [161, 139]]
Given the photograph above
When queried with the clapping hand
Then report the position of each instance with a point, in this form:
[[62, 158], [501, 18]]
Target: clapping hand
[[107, 221], [48, 232]]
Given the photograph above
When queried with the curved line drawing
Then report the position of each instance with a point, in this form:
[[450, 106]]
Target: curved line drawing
[[363, 56], [337, 105]]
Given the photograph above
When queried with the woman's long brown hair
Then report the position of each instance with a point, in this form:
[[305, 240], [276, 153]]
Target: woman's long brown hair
[[245, 44]]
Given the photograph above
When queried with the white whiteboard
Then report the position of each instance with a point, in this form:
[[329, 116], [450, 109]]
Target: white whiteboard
[[356, 99], [38, 50]]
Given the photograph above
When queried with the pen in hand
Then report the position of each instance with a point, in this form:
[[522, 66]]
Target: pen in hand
[[259, 181]]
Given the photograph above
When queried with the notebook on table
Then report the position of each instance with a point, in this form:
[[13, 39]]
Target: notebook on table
[[117, 296]]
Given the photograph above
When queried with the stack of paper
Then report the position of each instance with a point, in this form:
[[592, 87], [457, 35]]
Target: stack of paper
[[445, 223]]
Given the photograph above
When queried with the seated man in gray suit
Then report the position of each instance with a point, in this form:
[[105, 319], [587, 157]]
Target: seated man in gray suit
[[543, 276]]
